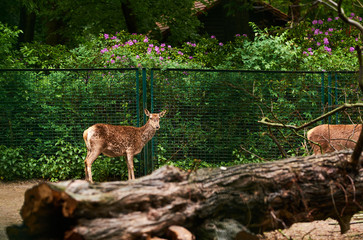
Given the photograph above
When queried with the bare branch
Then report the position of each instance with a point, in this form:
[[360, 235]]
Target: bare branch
[[266, 121]]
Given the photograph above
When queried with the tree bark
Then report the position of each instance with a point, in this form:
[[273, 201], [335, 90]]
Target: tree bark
[[240, 200]]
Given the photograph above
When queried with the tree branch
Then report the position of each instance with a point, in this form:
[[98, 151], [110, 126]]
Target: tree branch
[[266, 121]]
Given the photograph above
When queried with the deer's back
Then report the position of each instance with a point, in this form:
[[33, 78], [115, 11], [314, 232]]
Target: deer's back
[[334, 137]]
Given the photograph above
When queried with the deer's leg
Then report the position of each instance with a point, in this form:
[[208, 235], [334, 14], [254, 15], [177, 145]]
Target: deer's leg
[[91, 157], [130, 165]]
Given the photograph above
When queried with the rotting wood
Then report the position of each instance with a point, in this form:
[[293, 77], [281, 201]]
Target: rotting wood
[[252, 198]]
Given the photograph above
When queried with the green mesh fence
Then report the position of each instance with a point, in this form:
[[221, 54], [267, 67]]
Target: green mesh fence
[[212, 114], [39, 108]]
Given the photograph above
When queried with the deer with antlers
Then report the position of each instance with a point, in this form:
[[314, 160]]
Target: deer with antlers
[[116, 141]]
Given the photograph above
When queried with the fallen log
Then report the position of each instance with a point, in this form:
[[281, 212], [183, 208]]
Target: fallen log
[[236, 201]]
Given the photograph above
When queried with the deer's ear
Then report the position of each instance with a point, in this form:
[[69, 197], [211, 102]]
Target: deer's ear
[[147, 113], [162, 113]]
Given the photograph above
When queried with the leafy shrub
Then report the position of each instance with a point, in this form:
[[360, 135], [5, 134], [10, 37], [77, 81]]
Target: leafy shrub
[[8, 39], [327, 44], [265, 52], [16, 165], [66, 163], [36, 55]]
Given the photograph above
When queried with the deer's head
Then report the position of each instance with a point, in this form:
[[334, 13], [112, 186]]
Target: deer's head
[[154, 118]]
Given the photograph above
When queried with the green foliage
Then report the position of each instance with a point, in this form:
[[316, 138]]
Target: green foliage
[[327, 44], [15, 164], [8, 39], [265, 52], [36, 55], [66, 163]]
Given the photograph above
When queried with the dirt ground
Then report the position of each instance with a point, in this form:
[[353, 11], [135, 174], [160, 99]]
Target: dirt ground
[[12, 198]]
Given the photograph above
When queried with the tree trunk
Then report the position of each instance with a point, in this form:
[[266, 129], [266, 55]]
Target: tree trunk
[[240, 200], [27, 25], [130, 18]]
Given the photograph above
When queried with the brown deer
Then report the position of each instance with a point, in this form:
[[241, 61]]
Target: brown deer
[[333, 137], [115, 141]]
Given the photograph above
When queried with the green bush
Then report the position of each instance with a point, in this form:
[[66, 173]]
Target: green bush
[[8, 39], [16, 164]]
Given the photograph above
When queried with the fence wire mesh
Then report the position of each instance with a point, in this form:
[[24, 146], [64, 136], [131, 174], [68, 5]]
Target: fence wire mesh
[[212, 115]]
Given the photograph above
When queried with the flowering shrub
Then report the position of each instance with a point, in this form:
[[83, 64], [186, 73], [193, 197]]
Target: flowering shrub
[[133, 50], [324, 44], [327, 44]]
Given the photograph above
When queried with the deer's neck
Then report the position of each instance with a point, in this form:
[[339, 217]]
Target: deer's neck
[[147, 132]]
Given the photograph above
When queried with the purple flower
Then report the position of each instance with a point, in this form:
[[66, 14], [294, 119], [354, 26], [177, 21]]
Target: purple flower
[[315, 22], [106, 36], [220, 44], [112, 61], [162, 49], [137, 57], [180, 53], [352, 14], [190, 57], [238, 35], [331, 29], [318, 43], [104, 50], [245, 35], [114, 37], [320, 22], [162, 45], [161, 58], [351, 49], [146, 40], [305, 53], [336, 18], [212, 36], [328, 49], [310, 49], [151, 45], [149, 50], [326, 41], [329, 19]]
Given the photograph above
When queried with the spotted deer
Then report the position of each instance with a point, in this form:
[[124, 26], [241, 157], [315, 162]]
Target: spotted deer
[[116, 141], [333, 137]]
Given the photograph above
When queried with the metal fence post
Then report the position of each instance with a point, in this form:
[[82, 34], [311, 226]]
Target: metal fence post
[[144, 106], [329, 96], [138, 112], [336, 98], [137, 99], [152, 110], [322, 95]]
